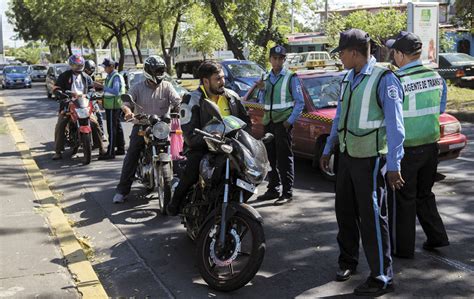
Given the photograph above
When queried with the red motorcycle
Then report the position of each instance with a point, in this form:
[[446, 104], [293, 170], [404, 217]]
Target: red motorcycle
[[79, 130]]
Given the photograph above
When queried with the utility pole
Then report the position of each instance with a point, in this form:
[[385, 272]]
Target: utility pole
[[292, 17], [326, 11]]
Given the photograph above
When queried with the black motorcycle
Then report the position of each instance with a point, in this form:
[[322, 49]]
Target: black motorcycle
[[154, 168], [228, 232]]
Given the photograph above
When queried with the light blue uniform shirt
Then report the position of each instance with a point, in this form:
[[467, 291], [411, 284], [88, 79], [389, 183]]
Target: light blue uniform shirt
[[442, 106], [115, 89], [392, 110], [296, 93]]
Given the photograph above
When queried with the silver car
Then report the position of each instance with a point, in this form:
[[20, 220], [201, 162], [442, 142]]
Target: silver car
[[38, 72]]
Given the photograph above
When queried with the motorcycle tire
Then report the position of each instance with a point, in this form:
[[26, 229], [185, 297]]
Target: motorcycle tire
[[163, 183], [207, 266], [86, 148]]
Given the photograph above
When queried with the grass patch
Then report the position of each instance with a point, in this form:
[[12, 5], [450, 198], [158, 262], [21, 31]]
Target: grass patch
[[461, 99]]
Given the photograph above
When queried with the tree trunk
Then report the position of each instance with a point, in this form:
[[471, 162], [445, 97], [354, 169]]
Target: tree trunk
[[107, 41], [119, 37], [166, 54], [138, 41], [269, 25], [229, 39], [173, 38], [130, 45], [89, 38], [69, 45]]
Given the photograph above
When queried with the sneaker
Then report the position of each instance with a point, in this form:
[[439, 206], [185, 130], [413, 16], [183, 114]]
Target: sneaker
[[284, 199], [269, 195], [57, 156], [118, 198], [373, 288]]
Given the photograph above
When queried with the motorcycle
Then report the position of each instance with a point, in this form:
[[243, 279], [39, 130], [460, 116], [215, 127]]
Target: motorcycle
[[155, 165], [228, 232], [78, 130]]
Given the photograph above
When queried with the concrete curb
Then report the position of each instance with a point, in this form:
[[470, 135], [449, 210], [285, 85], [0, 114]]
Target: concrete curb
[[87, 282], [467, 116]]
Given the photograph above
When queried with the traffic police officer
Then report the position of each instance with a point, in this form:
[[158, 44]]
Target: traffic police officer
[[369, 127], [424, 100], [113, 89], [282, 96]]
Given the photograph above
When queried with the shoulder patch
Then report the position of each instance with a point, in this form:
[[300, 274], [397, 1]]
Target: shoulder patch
[[392, 92], [185, 114]]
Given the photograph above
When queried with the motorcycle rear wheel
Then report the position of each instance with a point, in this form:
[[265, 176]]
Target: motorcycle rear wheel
[[86, 148], [163, 176], [241, 260]]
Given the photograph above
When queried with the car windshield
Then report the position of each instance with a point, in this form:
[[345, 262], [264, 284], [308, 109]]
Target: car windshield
[[39, 68], [458, 58], [62, 68], [323, 91], [245, 70], [16, 70]]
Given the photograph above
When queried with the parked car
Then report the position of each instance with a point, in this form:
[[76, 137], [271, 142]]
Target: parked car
[[54, 70], [38, 72], [16, 76], [240, 75], [321, 90], [133, 77], [457, 67], [310, 61]]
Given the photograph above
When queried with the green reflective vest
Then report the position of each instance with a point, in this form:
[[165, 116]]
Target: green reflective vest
[[422, 88], [278, 100], [112, 101], [361, 127]]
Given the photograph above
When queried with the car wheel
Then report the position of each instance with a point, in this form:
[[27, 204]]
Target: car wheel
[[319, 148]]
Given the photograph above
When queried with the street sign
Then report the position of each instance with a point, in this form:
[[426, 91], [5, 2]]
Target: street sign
[[423, 20]]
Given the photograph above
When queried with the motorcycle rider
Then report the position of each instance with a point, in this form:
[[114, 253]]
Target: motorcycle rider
[[79, 83], [152, 96], [192, 116], [89, 68]]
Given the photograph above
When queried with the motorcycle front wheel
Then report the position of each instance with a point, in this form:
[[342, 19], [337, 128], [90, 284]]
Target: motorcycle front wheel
[[86, 147], [163, 176], [232, 265]]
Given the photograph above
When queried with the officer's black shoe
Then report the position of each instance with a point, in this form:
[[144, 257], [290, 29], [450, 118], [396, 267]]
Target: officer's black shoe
[[403, 256], [269, 195], [432, 246], [284, 199], [373, 288], [344, 274], [173, 208], [106, 157], [120, 152]]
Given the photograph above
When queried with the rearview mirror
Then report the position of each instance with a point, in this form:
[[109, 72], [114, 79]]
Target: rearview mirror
[[212, 109]]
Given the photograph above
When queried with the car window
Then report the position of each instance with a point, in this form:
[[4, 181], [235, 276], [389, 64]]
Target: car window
[[16, 70], [458, 58], [245, 70], [39, 68], [323, 91]]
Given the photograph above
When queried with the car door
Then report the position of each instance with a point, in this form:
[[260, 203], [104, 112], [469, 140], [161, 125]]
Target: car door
[[50, 79], [255, 110]]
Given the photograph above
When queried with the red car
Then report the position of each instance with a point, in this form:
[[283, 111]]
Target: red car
[[321, 94]]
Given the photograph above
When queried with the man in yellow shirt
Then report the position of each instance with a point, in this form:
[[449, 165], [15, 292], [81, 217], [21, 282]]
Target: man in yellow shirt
[[192, 117]]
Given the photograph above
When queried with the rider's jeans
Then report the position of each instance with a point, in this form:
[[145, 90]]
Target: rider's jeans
[[130, 162]]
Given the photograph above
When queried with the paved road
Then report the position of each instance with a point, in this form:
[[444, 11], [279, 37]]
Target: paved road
[[140, 253]]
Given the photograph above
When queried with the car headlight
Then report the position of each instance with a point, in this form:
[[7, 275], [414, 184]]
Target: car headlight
[[161, 130], [242, 86], [452, 128]]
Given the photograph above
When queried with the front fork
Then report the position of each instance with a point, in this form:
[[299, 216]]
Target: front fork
[[225, 203]]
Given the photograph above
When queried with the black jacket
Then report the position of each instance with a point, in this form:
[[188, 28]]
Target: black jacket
[[192, 116], [64, 82]]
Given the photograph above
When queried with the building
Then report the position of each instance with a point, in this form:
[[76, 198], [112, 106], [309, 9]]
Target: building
[[306, 42]]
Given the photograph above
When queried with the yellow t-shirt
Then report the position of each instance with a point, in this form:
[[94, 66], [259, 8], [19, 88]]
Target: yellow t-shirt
[[222, 103]]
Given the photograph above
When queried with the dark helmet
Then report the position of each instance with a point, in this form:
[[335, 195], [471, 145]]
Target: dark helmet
[[89, 67], [155, 68], [76, 62]]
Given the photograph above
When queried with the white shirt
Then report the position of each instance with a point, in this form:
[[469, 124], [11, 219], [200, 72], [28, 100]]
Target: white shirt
[[77, 85]]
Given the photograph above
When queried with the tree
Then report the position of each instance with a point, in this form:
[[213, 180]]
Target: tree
[[464, 14]]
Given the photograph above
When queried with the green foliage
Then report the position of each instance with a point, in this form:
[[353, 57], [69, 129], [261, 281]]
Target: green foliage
[[380, 26], [445, 43], [464, 14], [31, 53]]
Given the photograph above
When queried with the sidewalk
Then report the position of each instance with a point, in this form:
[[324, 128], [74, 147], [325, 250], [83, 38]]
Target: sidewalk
[[31, 264]]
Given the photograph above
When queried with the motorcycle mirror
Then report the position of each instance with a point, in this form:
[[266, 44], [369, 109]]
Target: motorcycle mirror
[[153, 119], [212, 109], [166, 118]]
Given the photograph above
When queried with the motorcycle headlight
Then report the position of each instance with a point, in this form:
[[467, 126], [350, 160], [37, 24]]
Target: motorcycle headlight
[[452, 128], [82, 112], [161, 130], [242, 86], [226, 148]]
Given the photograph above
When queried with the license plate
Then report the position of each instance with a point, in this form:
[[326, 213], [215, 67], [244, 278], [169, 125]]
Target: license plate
[[456, 145], [246, 186]]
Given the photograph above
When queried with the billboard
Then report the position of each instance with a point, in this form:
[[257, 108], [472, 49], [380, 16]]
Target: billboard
[[423, 20]]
